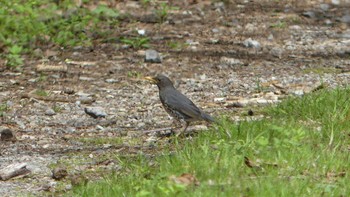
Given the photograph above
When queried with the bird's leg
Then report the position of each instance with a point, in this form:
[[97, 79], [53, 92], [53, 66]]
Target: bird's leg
[[183, 132], [187, 124]]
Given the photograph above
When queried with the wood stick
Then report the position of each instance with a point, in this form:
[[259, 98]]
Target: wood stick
[[13, 170]]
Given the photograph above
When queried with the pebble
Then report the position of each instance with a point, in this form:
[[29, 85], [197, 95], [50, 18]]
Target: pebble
[[112, 80], [68, 187], [141, 32], [298, 92], [7, 135], [86, 100], [86, 79], [152, 56], [335, 2], [250, 43], [231, 61], [95, 112], [277, 52], [345, 18], [309, 14], [141, 125], [191, 42], [59, 173], [220, 99], [50, 112], [99, 127], [270, 37], [324, 6]]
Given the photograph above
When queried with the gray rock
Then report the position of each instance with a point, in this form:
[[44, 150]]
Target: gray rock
[[70, 130], [309, 14], [38, 52], [270, 37], [328, 22], [345, 18], [152, 56], [277, 52], [50, 112], [251, 43], [95, 112], [215, 30], [324, 6]]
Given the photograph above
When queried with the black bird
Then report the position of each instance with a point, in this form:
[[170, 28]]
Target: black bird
[[176, 104]]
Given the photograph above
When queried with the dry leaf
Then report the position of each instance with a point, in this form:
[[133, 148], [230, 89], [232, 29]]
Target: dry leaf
[[185, 179]]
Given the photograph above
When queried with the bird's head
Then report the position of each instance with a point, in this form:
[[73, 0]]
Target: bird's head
[[160, 80]]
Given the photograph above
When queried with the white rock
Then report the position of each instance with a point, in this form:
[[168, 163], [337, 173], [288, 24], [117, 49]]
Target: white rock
[[250, 43], [141, 32]]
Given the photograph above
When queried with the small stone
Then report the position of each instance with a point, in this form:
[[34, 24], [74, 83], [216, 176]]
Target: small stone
[[32, 80], [251, 43], [298, 92], [250, 112], [328, 22], [59, 173], [86, 78], [295, 27], [345, 18], [112, 80], [231, 61], [7, 135], [235, 105], [191, 42], [69, 187], [68, 91], [95, 112], [141, 32], [270, 38], [277, 52], [309, 14], [38, 52], [99, 127], [86, 100], [50, 112], [220, 99], [203, 77], [152, 56], [70, 130], [335, 2], [215, 30], [262, 101], [324, 6]]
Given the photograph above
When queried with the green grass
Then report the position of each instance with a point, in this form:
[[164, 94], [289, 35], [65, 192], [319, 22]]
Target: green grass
[[26, 25], [40, 92], [137, 42], [301, 148], [3, 109]]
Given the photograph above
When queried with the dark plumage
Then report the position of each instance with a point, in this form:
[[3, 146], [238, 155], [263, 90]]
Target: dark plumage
[[177, 104]]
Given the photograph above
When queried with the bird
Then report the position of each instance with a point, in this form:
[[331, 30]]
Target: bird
[[176, 104]]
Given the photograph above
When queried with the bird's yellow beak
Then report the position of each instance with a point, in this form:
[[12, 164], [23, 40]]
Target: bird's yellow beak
[[151, 79]]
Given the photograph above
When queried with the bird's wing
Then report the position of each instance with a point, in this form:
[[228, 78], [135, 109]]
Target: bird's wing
[[182, 104]]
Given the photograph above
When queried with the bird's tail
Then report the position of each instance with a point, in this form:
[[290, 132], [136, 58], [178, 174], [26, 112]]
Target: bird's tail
[[207, 117]]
